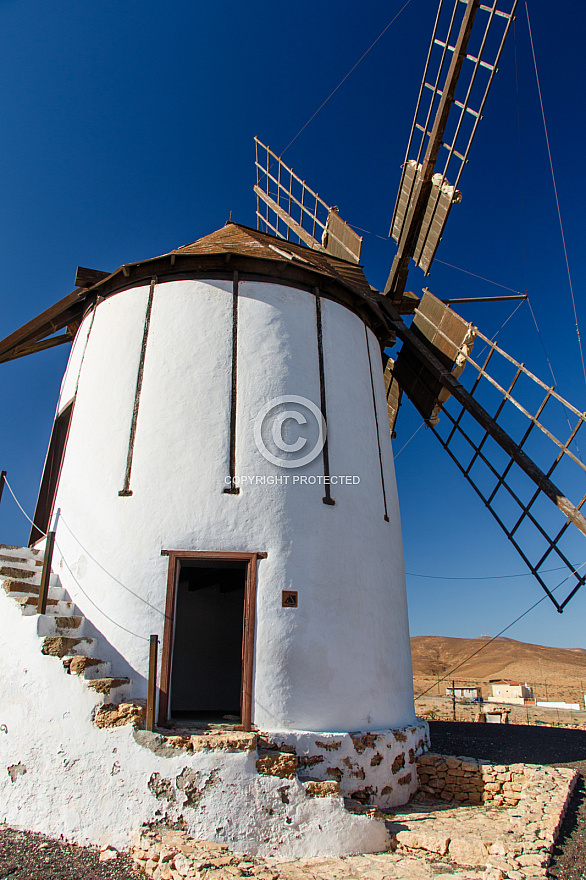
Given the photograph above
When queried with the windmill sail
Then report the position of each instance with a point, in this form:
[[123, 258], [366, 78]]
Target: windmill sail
[[510, 457], [285, 205], [459, 71], [449, 335]]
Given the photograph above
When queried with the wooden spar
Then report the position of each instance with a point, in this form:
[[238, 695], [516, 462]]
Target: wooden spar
[[152, 683], [478, 412], [32, 348], [46, 574], [309, 240], [88, 277], [395, 285]]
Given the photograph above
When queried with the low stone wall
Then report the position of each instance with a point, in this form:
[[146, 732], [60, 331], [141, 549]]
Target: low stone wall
[[470, 781], [515, 841]]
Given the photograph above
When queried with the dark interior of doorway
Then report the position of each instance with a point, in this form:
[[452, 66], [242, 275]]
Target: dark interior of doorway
[[206, 675]]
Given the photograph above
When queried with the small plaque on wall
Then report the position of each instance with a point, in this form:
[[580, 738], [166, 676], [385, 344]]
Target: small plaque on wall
[[289, 599]]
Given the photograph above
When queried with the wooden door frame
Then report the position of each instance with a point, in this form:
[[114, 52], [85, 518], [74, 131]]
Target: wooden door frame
[[175, 557]]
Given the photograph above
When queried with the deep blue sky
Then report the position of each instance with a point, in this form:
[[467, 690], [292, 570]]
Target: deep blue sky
[[127, 130]]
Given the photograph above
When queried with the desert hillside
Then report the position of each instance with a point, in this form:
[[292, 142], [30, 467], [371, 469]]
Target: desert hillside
[[554, 673]]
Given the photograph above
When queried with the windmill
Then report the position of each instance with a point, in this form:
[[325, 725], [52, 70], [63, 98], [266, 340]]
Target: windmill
[[276, 584], [463, 57]]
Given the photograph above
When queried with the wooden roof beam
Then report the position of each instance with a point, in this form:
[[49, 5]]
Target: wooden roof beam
[[59, 315]]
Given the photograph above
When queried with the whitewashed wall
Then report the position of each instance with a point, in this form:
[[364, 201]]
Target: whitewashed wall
[[341, 660]]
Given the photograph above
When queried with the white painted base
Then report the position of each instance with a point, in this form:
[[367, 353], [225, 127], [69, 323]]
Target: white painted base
[[377, 767], [63, 776]]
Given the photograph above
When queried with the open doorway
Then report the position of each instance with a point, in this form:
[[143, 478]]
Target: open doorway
[[206, 675], [208, 643]]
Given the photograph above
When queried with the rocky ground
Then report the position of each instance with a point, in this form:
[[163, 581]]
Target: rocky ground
[[27, 856]]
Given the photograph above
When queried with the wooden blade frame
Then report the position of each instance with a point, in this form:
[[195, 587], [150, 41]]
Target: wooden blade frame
[[285, 205], [456, 76], [448, 335], [500, 480]]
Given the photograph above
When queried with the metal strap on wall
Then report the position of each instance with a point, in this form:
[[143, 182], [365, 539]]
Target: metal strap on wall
[[380, 457], [126, 490], [232, 489], [327, 499]]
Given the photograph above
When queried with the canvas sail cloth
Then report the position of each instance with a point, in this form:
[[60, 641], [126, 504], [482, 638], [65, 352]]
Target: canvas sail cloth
[[450, 338]]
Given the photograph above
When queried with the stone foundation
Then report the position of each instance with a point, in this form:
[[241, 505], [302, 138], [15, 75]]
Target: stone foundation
[[374, 768], [429, 840]]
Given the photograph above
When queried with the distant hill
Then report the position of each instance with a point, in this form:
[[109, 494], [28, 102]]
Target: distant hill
[[554, 673]]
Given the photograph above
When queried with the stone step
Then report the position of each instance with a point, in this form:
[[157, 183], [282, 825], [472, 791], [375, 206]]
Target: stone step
[[61, 646], [60, 625], [12, 560], [27, 575], [27, 553], [16, 588], [89, 668], [57, 607], [113, 690], [13, 570]]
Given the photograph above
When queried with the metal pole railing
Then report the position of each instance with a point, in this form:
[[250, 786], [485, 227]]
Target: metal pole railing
[[46, 574], [152, 683]]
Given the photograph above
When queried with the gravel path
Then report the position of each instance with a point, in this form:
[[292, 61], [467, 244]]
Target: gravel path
[[507, 744], [28, 856]]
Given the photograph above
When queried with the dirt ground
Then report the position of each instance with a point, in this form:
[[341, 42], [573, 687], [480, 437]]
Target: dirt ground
[[27, 856]]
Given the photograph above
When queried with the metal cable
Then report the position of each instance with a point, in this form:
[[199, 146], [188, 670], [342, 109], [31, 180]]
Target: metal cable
[[541, 340], [506, 321], [555, 383], [443, 262], [482, 647], [162, 613], [22, 510], [408, 441], [490, 577], [103, 613], [352, 69], [481, 277], [115, 579], [555, 189]]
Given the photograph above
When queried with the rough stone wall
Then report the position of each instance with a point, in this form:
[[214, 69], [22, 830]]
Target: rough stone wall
[[472, 781], [374, 768]]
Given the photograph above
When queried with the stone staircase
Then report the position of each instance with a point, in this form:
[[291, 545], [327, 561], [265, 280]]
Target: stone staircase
[[62, 627]]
